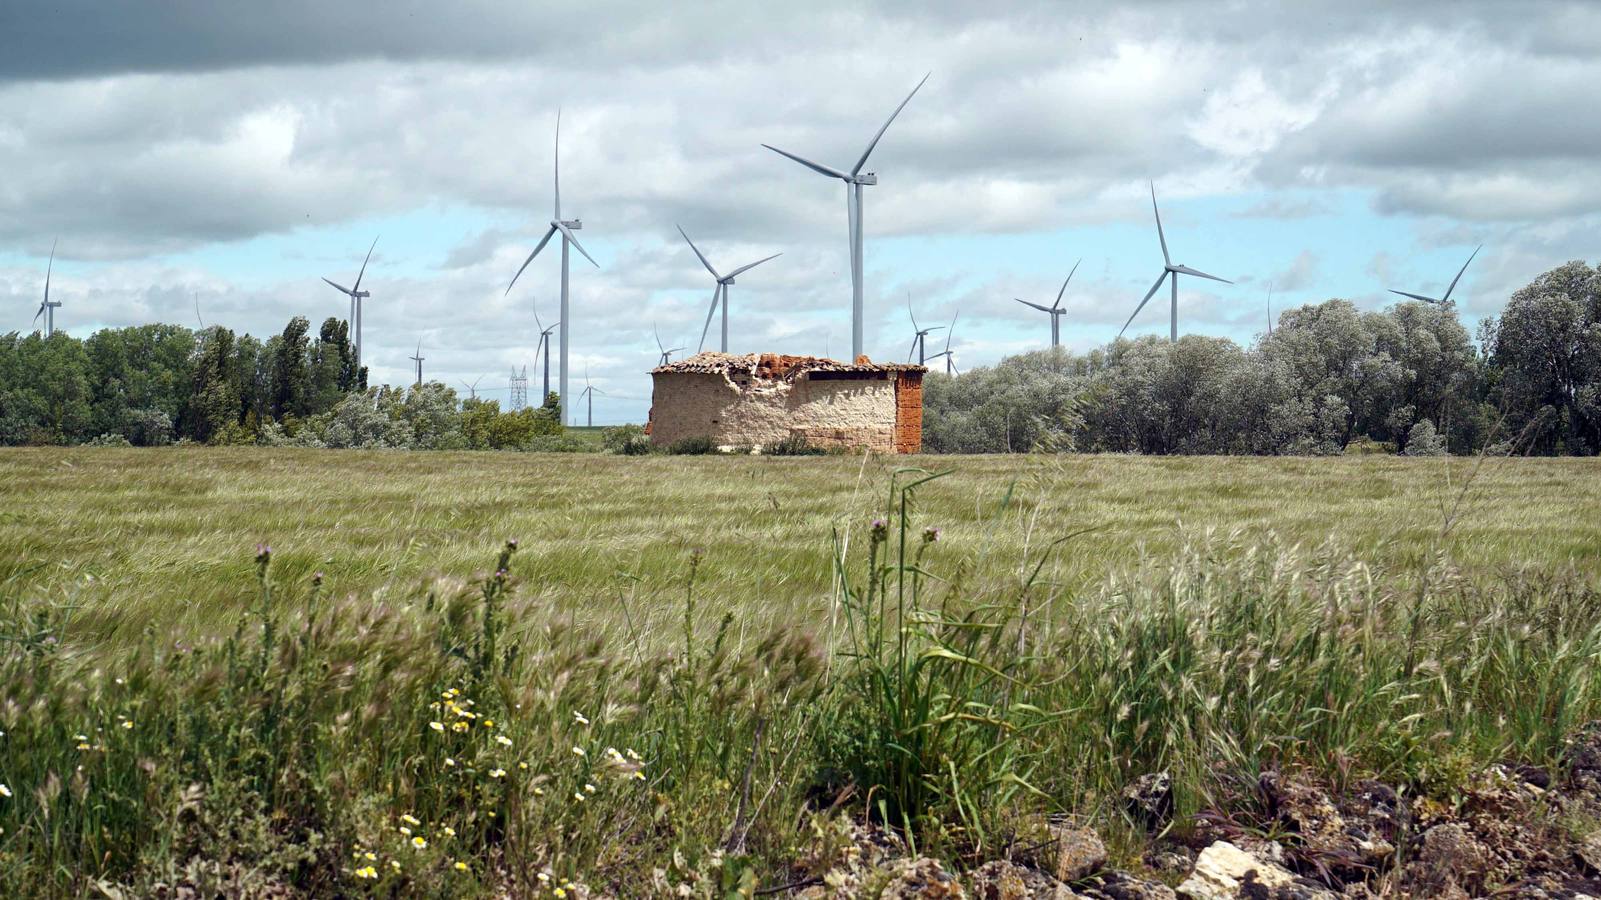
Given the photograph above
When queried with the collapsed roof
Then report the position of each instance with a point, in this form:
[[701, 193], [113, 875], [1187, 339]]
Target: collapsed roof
[[777, 365]]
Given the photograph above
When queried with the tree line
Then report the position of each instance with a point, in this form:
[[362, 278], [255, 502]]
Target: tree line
[[1407, 379], [150, 385]]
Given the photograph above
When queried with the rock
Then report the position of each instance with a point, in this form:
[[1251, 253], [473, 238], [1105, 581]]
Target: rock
[[1450, 849], [1150, 799], [1589, 853], [1114, 885], [1583, 757], [921, 879], [1002, 880], [1170, 861], [1079, 853], [1225, 872]]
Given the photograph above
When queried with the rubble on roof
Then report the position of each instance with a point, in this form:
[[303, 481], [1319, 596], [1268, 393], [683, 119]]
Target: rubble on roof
[[777, 365]]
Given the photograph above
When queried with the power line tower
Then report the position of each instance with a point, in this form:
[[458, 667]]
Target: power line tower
[[519, 389]]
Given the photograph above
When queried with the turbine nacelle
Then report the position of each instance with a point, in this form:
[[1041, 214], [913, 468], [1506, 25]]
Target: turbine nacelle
[[864, 178], [574, 224]]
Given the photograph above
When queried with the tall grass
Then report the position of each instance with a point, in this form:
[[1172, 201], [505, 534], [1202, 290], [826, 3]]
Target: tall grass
[[486, 736]]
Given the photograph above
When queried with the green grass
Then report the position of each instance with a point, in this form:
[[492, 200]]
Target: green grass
[[143, 524], [739, 624]]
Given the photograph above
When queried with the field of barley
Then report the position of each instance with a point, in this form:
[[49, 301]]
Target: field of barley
[[268, 672]]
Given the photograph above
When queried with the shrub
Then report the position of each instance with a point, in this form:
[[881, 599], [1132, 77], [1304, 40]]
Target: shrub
[[692, 446], [629, 440], [558, 443], [1423, 440], [793, 445], [108, 440]]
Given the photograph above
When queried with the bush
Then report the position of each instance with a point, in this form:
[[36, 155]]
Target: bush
[[1423, 440], [108, 440], [629, 440], [558, 443], [692, 446], [794, 445]]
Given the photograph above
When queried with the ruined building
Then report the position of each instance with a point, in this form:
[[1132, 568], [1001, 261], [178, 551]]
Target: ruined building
[[758, 400]]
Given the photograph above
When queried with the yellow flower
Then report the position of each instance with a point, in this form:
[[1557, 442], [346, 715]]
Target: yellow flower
[[489, 723], [418, 842], [579, 796], [640, 776], [405, 830], [523, 766], [502, 740], [394, 864], [366, 872], [497, 773], [461, 866], [539, 792], [458, 726], [559, 892], [544, 876], [127, 723], [579, 718], [370, 856], [410, 819], [437, 726], [448, 831], [84, 747]]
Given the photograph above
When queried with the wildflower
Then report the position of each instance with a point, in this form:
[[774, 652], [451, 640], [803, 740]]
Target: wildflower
[[544, 877], [458, 726], [579, 797], [502, 740], [579, 751], [437, 726], [448, 831], [589, 789], [632, 755], [489, 723], [81, 737], [523, 766], [539, 792], [394, 864], [931, 534], [370, 856], [410, 819], [419, 843], [84, 746], [497, 773], [466, 714], [127, 723], [449, 761], [405, 830], [461, 866], [640, 776], [579, 718], [4, 791], [558, 893], [366, 872], [121, 681], [880, 530]]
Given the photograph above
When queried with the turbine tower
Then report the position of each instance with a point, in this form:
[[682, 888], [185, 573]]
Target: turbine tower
[[590, 393], [544, 345], [566, 227], [1442, 301], [719, 291], [418, 359], [950, 358], [1168, 269], [919, 337], [1055, 309], [48, 307], [356, 295], [666, 352], [854, 181]]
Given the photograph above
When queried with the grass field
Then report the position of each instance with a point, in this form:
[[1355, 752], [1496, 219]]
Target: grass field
[[165, 538], [683, 662]]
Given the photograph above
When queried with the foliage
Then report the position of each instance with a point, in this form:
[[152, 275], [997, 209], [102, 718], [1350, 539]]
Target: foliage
[[692, 446], [793, 444], [1423, 440], [629, 440]]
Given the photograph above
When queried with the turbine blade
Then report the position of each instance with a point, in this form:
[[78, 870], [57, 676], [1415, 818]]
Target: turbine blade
[[364, 265], [874, 143], [542, 242], [1035, 305], [909, 312], [658, 335], [1459, 274], [701, 256], [1148, 295], [1416, 296], [717, 293], [567, 232], [911, 351], [1199, 274], [1064, 285], [819, 168], [38, 314], [951, 331], [49, 267], [748, 267], [558, 164], [1159, 235], [341, 288]]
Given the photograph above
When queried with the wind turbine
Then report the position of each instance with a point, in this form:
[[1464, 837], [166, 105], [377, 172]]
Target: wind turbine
[[950, 358], [1168, 269], [667, 353], [472, 389], [544, 344], [920, 337], [1055, 309], [48, 307], [197, 311], [566, 227], [356, 295], [720, 291], [590, 393], [418, 359], [854, 181], [1447, 298]]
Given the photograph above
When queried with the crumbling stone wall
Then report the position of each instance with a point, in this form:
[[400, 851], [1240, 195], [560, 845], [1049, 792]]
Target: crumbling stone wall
[[739, 410]]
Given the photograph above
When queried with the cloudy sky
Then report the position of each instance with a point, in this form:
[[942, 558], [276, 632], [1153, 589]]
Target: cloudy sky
[[237, 152]]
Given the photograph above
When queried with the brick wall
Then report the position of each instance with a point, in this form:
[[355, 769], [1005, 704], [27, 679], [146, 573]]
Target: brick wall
[[909, 412]]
